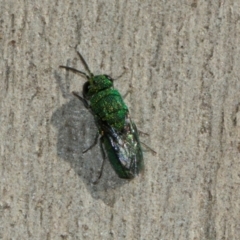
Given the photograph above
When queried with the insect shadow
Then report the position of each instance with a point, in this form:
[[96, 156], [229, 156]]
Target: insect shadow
[[76, 131]]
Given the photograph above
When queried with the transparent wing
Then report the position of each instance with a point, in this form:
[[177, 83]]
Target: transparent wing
[[124, 149]]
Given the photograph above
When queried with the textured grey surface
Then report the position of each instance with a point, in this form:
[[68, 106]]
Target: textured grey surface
[[181, 60]]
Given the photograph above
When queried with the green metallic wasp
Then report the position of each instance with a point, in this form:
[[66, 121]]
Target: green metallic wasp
[[118, 133]]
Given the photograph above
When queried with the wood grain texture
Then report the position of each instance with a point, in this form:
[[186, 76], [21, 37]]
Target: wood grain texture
[[181, 61]]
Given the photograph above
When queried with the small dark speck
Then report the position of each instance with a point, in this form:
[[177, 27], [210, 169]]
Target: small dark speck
[[13, 43], [85, 227], [210, 196], [238, 147], [194, 4]]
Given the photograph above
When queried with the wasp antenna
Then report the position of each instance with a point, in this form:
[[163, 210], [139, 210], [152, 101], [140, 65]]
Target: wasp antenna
[[75, 70], [85, 64]]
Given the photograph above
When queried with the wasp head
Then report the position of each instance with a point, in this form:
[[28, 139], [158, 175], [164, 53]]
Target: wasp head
[[96, 84]]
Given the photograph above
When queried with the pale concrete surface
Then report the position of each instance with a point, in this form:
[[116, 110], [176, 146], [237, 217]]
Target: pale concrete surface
[[182, 59]]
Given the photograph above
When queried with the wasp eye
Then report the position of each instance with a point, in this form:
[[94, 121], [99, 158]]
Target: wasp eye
[[85, 88]]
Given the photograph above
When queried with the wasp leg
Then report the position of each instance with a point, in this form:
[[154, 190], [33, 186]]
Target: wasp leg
[[142, 133], [103, 161], [129, 91], [124, 71], [150, 149], [84, 101], [94, 143]]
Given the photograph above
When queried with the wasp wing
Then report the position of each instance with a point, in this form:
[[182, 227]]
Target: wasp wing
[[123, 149]]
